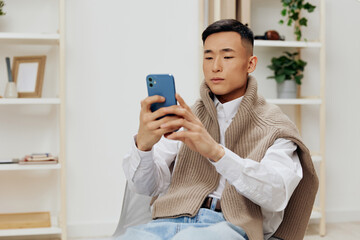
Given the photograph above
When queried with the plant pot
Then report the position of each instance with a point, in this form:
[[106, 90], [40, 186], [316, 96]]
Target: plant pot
[[287, 89]]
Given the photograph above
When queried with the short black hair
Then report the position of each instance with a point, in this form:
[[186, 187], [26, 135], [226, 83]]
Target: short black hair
[[230, 25]]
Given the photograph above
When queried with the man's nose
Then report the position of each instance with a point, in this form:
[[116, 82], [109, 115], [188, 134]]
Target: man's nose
[[217, 66]]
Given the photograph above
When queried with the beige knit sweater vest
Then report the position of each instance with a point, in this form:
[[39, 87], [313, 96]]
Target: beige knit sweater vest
[[253, 130]]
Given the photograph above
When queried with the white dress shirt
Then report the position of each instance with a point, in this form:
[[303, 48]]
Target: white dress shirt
[[268, 183]]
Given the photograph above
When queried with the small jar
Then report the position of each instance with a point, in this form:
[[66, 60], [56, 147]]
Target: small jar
[[10, 90]]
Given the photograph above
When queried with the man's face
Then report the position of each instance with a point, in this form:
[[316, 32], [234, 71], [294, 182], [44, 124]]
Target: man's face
[[226, 65]]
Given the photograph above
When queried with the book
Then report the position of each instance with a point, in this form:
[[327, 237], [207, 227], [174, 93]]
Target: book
[[9, 160], [39, 158], [53, 161], [40, 155], [25, 220]]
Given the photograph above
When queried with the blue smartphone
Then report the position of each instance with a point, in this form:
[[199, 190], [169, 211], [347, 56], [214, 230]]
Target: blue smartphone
[[163, 85]]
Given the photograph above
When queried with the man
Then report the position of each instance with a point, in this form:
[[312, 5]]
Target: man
[[237, 158]]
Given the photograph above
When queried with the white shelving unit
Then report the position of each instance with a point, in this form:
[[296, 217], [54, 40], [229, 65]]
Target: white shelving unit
[[22, 101], [30, 232], [29, 38], [299, 101], [19, 109], [14, 166], [213, 10], [292, 44]]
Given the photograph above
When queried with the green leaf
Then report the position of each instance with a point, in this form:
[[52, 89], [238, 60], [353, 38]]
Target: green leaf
[[270, 77], [293, 7], [298, 78], [291, 12], [301, 63], [272, 67], [287, 1], [283, 12], [289, 71], [297, 33], [280, 78], [281, 22], [303, 21], [288, 53], [310, 8], [289, 22], [300, 4], [295, 16]]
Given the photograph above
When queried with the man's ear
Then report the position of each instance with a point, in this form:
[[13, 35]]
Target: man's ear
[[252, 64]]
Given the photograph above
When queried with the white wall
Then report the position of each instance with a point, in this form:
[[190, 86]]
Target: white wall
[[343, 111], [113, 45]]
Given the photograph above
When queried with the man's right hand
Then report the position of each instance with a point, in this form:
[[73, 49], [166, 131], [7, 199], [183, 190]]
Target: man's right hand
[[149, 131]]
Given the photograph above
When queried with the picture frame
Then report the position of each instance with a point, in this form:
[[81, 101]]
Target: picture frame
[[28, 74]]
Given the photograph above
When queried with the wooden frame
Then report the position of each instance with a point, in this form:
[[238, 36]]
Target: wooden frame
[[28, 73]]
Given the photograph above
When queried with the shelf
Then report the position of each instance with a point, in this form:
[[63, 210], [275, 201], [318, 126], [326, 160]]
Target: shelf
[[295, 101], [294, 44], [47, 112], [29, 38], [15, 166], [30, 231], [29, 101]]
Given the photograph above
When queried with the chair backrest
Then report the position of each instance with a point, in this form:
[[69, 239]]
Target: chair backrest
[[135, 210]]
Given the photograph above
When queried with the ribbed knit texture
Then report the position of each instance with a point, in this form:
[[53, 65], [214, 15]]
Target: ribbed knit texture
[[253, 130]]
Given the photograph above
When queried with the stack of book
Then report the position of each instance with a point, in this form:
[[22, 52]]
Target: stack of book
[[39, 158]]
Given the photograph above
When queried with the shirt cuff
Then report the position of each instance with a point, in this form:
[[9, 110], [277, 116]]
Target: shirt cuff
[[144, 157], [222, 165]]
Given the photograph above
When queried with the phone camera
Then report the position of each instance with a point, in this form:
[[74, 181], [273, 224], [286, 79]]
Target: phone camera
[[151, 85], [150, 79]]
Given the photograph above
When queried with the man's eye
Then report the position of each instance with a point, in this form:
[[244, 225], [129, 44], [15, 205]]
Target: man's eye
[[228, 57], [208, 58]]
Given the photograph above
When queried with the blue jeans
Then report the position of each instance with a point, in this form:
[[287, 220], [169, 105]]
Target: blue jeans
[[207, 225]]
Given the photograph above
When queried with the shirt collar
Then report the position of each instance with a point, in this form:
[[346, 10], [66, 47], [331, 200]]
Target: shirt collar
[[229, 109]]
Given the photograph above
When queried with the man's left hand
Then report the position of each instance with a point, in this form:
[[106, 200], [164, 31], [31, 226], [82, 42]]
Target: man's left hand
[[194, 135]]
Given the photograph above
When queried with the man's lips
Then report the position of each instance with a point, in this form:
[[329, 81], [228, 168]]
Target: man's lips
[[216, 79]]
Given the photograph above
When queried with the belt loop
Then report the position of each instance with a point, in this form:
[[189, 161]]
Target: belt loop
[[213, 203]]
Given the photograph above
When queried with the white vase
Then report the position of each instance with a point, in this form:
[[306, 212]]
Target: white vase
[[287, 89], [10, 90]]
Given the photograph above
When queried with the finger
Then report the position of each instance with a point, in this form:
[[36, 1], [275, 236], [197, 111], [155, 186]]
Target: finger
[[182, 101], [164, 111], [160, 132], [171, 137], [146, 103], [179, 123], [173, 110], [181, 112], [157, 123], [181, 135]]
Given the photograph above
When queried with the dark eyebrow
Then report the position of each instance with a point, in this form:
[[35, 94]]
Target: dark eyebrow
[[222, 50], [227, 50]]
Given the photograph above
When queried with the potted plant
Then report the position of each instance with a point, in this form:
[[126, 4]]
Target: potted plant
[[292, 8], [287, 73], [2, 4]]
